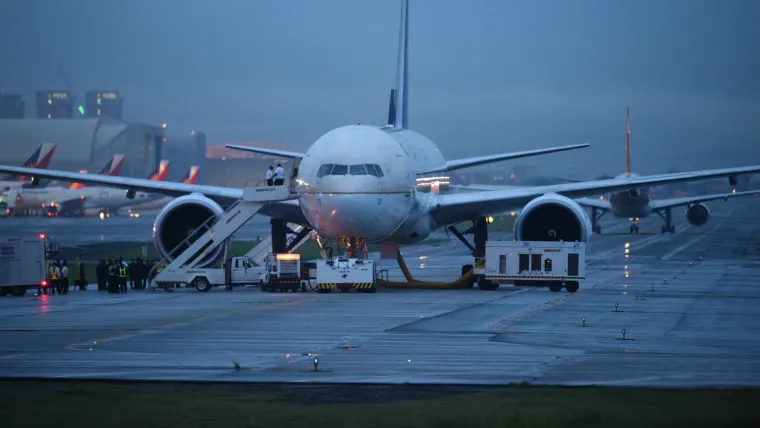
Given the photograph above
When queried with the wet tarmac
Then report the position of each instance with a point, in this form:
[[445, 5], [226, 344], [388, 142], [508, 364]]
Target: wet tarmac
[[687, 302]]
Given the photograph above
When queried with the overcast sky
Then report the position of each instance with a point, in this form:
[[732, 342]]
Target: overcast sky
[[486, 75]]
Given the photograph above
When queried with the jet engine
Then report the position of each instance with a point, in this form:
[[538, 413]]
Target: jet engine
[[179, 218], [697, 214], [552, 217]]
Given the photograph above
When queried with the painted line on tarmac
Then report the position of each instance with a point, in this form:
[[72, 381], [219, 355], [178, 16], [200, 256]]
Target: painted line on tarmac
[[688, 244]]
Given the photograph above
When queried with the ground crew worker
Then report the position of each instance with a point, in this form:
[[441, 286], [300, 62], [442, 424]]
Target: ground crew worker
[[101, 274], [228, 275], [113, 278], [270, 176], [279, 175], [145, 270], [65, 277], [123, 278], [55, 277]]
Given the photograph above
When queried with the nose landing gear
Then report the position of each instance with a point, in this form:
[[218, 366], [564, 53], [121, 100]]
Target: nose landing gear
[[634, 225]]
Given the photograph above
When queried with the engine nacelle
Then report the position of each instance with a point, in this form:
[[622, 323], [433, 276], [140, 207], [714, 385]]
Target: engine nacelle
[[697, 214], [553, 217], [178, 219]]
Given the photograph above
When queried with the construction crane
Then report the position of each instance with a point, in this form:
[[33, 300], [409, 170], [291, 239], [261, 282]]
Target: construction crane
[[70, 88]]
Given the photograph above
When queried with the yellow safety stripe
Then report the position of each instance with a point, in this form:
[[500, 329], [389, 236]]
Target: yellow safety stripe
[[363, 285], [326, 286]]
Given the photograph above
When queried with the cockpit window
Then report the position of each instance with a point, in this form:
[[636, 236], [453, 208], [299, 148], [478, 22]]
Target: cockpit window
[[324, 170], [365, 169], [374, 170], [339, 170], [358, 170]]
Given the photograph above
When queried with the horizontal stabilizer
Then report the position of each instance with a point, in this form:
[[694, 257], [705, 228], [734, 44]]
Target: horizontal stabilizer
[[271, 152], [482, 160]]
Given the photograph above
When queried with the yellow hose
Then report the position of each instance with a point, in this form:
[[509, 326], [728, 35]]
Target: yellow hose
[[463, 282]]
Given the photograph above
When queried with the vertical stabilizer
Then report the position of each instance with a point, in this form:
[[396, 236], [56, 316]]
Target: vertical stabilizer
[[402, 70], [159, 174], [627, 143], [192, 175], [392, 109]]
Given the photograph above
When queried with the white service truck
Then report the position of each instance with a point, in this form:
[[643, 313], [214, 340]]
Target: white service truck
[[346, 274], [23, 264], [534, 263], [243, 271]]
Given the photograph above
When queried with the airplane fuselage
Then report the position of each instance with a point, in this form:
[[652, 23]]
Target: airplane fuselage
[[629, 204], [624, 204], [341, 193], [91, 197]]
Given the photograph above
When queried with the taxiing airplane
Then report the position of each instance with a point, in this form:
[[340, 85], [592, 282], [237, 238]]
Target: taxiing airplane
[[358, 182], [638, 203], [39, 159]]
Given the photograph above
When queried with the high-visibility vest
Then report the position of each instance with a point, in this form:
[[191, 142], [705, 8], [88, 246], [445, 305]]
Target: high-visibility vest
[[122, 272], [53, 275]]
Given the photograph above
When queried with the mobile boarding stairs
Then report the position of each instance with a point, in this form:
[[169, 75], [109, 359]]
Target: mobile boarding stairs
[[218, 231]]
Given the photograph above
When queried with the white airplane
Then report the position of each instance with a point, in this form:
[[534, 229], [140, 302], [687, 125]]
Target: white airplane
[[39, 159], [359, 182], [190, 178], [80, 200], [637, 203]]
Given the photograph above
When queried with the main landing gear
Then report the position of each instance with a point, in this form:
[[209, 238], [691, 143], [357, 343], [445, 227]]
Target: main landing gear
[[668, 226], [595, 217], [479, 230]]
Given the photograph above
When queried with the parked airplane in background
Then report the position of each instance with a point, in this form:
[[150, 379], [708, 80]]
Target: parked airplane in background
[[39, 159], [67, 201], [638, 203], [111, 168], [358, 182], [190, 178]]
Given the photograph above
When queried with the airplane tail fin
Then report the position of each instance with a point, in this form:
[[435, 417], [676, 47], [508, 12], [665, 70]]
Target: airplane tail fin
[[113, 167], [41, 158], [192, 175], [627, 142], [402, 71], [159, 174], [392, 109]]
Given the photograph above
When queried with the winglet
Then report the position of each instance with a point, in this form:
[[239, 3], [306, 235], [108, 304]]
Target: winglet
[[627, 143]]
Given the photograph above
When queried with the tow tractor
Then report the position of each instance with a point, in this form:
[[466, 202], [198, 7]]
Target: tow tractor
[[534, 263], [346, 274], [283, 273]]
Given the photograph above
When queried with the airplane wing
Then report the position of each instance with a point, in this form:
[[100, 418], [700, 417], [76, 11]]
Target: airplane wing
[[453, 165], [671, 203], [453, 208], [271, 152], [601, 204], [289, 210]]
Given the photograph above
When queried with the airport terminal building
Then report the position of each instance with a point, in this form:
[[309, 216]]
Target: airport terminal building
[[83, 143]]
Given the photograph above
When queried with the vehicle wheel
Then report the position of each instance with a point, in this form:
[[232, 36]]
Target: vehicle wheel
[[487, 285], [18, 291], [572, 286], [598, 230], [555, 288], [672, 229], [631, 230], [202, 285], [3, 291], [371, 290], [663, 229]]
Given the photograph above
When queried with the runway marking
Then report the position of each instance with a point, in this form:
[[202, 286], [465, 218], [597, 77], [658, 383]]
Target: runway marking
[[74, 346], [688, 244]]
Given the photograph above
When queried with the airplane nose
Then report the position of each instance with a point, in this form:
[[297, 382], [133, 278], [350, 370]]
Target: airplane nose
[[372, 216]]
